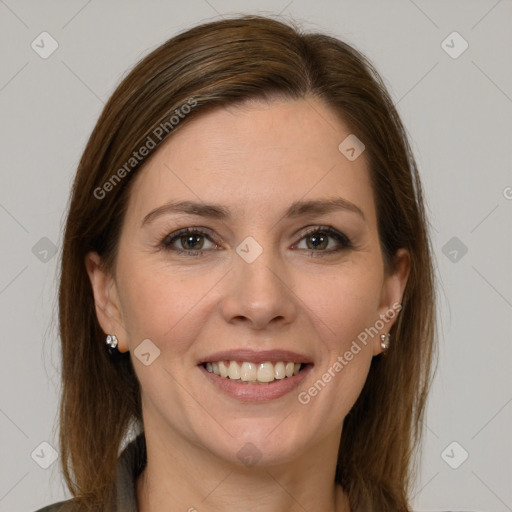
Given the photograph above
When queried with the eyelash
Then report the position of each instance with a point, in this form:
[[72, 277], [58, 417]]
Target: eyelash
[[340, 238]]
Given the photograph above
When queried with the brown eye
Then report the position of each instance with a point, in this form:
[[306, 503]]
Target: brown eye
[[317, 241], [191, 242], [188, 241], [326, 240]]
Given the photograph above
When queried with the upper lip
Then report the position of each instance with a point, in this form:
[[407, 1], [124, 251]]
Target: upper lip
[[257, 356]]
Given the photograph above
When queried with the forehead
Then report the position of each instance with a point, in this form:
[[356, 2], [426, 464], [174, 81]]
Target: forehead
[[255, 158]]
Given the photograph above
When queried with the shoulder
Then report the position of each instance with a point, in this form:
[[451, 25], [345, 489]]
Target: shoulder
[[131, 462], [61, 506]]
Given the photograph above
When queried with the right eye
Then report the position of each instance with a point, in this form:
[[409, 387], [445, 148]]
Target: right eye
[[191, 240]]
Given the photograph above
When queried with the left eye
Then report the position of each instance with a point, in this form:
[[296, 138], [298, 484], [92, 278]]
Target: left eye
[[319, 240]]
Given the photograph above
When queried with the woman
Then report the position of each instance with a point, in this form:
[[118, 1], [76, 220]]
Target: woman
[[246, 284]]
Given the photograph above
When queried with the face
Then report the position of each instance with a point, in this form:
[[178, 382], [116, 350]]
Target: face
[[268, 274]]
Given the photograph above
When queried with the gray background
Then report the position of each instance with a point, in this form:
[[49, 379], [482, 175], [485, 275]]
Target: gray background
[[458, 114]]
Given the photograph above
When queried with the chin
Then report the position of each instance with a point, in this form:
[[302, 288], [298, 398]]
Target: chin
[[252, 443]]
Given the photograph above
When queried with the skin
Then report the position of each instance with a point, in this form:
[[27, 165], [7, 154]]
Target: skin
[[254, 160]]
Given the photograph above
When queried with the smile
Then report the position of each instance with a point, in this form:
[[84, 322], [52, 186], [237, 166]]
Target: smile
[[256, 375]]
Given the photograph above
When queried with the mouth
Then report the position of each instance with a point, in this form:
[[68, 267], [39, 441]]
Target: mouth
[[254, 376]]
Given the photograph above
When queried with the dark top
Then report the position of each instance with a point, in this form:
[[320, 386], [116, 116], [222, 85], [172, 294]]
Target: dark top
[[130, 465]]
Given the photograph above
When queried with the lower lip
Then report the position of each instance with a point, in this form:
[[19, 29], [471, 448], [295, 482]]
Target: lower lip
[[258, 392]]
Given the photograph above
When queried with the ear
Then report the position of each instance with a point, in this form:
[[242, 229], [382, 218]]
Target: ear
[[106, 299], [393, 288]]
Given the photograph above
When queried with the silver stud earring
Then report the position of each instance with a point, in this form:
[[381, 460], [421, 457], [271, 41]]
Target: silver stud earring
[[384, 341], [111, 342]]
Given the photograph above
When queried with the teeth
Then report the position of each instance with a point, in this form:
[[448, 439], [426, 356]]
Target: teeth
[[234, 370], [252, 372], [222, 369], [280, 370], [248, 372], [265, 372]]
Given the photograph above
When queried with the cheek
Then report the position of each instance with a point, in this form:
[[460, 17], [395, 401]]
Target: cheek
[[343, 312], [342, 304], [344, 308], [163, 305]]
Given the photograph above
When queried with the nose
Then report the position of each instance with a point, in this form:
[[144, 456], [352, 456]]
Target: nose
[[259, 293]]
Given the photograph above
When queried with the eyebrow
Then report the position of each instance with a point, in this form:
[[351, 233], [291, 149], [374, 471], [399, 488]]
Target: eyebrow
[[216, 211]]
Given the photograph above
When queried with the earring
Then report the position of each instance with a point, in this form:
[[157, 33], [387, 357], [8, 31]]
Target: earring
[[111, 342], [384, 341]]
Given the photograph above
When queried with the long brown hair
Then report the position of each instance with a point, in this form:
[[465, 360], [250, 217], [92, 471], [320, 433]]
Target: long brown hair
[[222, 63]]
